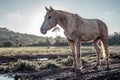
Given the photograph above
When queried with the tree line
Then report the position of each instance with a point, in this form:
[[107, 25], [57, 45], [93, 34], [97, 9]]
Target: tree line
[[14, 39], [113, 39]]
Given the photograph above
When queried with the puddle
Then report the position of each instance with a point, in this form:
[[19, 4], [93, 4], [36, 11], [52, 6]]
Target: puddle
[[19, 77], [5, 77], [42, 59]]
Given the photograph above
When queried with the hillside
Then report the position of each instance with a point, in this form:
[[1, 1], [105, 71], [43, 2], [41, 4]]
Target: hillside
[[17, 39]]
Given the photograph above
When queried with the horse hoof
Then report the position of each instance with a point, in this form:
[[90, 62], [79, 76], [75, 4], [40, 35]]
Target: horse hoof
[[81, 67]]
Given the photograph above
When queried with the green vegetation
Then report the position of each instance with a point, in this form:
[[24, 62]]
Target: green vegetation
[[67, 62], [24, 65], [28, 66], [49, 65], [115, 55]]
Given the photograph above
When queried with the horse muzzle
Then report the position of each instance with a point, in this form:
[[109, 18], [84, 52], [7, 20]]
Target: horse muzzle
[[43, 31]]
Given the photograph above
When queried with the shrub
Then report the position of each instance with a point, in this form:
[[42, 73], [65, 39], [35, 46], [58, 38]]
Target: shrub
[[68, 61], [25, 66], [59, 59], [84, 62], [2, 68], [115, 55], [49, 65], [8, 44]]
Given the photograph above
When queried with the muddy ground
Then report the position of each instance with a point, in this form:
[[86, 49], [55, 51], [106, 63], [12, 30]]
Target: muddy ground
[[69, 74], [65, 73]]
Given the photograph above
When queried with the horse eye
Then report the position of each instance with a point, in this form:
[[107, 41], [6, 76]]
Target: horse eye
[[49, 17]]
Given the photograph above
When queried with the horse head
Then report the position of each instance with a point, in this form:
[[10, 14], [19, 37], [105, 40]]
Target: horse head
[[50, 20]]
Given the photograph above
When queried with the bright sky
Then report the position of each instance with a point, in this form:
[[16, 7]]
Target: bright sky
[[26, 16]]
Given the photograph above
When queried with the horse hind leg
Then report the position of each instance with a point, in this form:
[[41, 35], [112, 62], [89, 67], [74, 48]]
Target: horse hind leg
[[96, 46]]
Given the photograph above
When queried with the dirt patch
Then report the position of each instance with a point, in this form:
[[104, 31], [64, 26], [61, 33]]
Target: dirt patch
[[4, 59]]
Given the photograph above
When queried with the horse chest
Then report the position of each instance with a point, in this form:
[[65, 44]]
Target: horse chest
[[70, 35]]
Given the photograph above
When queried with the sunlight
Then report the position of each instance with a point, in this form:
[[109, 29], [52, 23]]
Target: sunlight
[[52, 34]]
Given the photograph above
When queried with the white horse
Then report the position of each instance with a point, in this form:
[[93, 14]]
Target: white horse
[[77, 30]]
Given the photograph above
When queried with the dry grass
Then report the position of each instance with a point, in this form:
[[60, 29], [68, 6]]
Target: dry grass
[[52, 50], [14, 51]]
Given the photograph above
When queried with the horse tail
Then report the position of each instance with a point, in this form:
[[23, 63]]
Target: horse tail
[[103, 50], [103, 34]]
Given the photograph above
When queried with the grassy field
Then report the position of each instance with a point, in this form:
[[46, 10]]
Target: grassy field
[[32, 51], [15, 51], [37, 59]]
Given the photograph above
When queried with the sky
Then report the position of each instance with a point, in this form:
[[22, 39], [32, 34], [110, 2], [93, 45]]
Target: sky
[[26, 16]]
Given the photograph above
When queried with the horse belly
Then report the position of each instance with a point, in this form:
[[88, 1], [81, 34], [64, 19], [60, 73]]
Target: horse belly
[[90, 34], [88, 37]]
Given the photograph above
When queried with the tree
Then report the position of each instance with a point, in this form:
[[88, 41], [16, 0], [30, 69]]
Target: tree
[[48, 42], [2, 38], [56, 29], [8, 44]]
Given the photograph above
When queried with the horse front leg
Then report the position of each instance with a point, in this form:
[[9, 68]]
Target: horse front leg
[[78, 48], [72, 46]]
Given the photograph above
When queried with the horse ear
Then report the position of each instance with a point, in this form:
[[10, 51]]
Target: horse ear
[[46, 8], [51, 8]]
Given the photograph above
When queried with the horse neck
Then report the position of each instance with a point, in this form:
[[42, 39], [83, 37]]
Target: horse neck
[[62, 19]]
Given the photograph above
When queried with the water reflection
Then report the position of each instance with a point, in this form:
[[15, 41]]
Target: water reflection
[[19, 77], [42, 59], [6, 77]]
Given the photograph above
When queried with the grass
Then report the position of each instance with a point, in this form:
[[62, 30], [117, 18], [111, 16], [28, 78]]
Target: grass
[[89, 57], [66, 62], [28, 66], [16, 51], [49, 65]]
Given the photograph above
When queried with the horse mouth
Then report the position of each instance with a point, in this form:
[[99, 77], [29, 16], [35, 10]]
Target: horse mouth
[[43, 32]]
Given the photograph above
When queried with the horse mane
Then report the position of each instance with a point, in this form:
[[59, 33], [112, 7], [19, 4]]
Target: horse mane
[[66, 12], [75, 18]]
